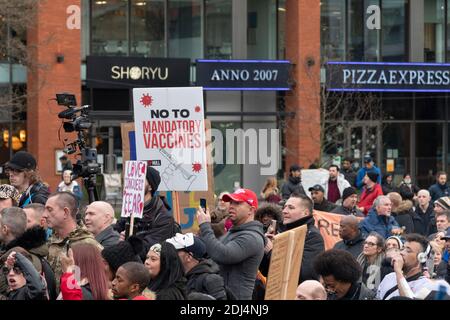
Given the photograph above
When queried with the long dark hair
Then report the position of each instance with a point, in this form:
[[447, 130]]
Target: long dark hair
[[171, 269]]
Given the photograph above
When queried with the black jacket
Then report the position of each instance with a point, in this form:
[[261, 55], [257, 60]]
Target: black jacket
[[292, 185], [108, 237], [37, 194], [175, 292], [422, 220], [314, 245], [34, 241], [205, 278], [357, 291], [325, 206], [387, 188], [157, 223], [354, 246], [350, 176], [34, 288], [403, 215], [438, 190], [347, 212]]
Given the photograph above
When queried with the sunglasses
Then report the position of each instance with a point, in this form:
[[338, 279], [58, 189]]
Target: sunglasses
[[16, 270]]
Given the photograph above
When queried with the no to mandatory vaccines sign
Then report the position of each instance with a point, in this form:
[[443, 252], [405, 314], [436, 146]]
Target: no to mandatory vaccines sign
[[134, 189], [170, 135]]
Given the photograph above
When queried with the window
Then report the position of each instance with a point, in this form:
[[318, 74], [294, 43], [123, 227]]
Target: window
[[261, 29], [218, 29], [147, 28], [434, 32], [394, 30], [185, 29], [109, 28], [332, 33]]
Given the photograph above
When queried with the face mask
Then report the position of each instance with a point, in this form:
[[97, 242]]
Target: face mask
[[407, 181]]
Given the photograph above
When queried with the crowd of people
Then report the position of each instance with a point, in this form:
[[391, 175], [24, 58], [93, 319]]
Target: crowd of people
[[395, 241]]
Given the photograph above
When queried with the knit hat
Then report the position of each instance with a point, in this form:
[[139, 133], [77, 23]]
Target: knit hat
[[372, 176], [295, 167], [443, 202], [124, 251], [399, 241], [348, 192], [153, 178], [189, 243]]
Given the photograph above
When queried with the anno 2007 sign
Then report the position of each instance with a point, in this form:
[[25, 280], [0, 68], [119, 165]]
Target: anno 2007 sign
[[170, 135]]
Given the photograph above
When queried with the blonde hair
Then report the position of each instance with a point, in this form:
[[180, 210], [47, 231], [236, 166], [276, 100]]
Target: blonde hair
[[271, 186]]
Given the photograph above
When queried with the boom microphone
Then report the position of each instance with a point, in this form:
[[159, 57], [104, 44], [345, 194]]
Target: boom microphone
[[68, 114]]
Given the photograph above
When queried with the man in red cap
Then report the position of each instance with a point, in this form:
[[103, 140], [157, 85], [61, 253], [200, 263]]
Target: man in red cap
[[240, 251]]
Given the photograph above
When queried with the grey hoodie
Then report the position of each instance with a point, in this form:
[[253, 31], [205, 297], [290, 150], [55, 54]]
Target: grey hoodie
[[238, 255]]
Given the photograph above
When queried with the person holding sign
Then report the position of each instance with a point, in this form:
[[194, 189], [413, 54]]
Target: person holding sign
[[297, 212], [157, 223], [240, 251]]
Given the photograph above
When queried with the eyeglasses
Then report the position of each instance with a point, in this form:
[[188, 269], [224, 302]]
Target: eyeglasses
[[370, 244]]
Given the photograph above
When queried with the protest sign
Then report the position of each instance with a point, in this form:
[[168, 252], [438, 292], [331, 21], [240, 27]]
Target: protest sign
[[134, 189], [328, 225], [170, 135], [285, 262]]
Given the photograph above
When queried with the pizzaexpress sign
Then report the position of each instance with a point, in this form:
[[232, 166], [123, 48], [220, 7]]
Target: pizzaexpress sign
[[393, 77]]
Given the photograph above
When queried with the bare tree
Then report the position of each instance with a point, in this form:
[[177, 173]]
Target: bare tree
[[338, 110]]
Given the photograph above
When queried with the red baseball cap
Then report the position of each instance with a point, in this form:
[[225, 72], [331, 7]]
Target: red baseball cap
[[242, 195]]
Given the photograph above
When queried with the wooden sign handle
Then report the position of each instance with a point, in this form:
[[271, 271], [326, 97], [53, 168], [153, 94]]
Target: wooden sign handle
[[176, 206]]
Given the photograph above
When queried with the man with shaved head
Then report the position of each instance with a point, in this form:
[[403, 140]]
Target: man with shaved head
[[352, 238], [423, 216], [98, 219], [310, 290]]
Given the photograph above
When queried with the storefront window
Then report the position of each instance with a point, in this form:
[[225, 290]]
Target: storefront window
[[185, 29], [394, 28], [434, 32], [362, 42], [332, 32], [109, 28], [430, 106], [218, 29], [429, 152], [261, 29], [147, 28], [396, 149], [397, 106]]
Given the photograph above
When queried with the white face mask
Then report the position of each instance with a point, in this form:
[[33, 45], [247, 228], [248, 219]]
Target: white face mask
[[407, 181]]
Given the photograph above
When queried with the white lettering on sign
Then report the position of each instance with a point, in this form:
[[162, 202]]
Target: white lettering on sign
[[396, 77], [137, 73], [244, 75]]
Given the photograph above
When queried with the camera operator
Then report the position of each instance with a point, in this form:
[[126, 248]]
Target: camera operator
[[23, 175], [157, 224]]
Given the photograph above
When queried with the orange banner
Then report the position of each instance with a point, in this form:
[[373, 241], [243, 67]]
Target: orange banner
[[328, 225]]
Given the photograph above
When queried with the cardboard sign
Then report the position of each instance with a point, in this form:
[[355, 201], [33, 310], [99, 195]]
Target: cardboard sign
[[170, 134], [188, 201], [311, 177], [285, 263], [328, 225], [134, 189]]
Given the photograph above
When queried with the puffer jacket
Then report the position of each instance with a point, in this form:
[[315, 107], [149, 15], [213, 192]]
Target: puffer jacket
[[38, 193], [205, 278]]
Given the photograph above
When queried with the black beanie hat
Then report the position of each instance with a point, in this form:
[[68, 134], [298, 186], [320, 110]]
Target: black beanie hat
[[348, 192], [123, 252], [372, 176], [153, 178]]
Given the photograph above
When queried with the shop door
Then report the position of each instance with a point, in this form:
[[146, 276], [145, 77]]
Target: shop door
[[364, 139]]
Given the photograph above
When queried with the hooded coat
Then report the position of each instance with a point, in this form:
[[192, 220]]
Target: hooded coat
[[238, 255], [292, 185], [205, 278], [34, 241], [403, 214]]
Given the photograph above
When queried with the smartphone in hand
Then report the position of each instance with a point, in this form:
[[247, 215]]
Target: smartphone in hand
[[273, 227], [203, 204]]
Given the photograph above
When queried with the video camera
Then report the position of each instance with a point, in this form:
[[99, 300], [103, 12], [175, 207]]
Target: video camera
[[87, 167]]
